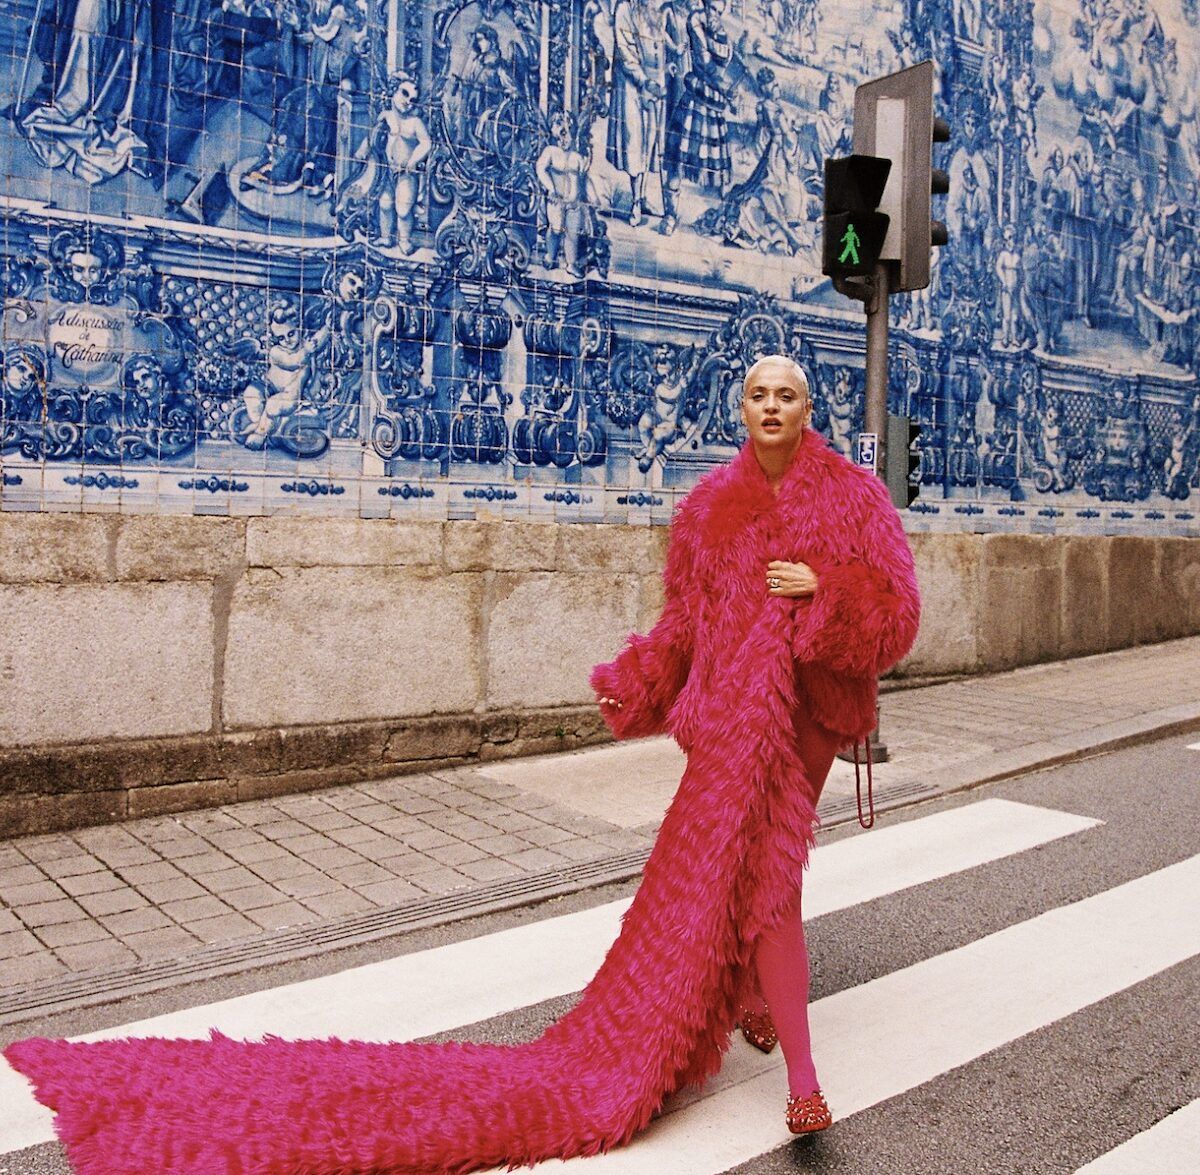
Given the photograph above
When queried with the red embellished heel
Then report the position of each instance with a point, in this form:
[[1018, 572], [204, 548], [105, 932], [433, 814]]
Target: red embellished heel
[[758, 1029], [806, 1115]]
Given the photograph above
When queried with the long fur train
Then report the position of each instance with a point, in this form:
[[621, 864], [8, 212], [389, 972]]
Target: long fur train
[[727, 670]]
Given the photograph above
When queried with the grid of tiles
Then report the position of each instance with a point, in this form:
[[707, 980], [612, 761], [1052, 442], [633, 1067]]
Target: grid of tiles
[[440, 258]]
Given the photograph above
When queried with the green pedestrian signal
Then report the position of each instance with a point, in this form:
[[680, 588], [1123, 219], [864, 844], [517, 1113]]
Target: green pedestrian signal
[[854, 230], [851, 242]]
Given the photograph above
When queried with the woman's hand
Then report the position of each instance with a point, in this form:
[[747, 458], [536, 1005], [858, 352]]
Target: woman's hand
[[790, 579], [610, 702]]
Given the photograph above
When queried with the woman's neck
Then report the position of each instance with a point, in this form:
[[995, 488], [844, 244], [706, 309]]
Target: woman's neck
[[774, 463]]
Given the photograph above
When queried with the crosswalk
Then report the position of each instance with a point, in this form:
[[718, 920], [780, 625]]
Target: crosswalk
[[872, 1041]]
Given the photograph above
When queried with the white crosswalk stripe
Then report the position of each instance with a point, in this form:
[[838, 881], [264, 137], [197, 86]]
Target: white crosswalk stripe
[[872, 1041], [1171, 1147]]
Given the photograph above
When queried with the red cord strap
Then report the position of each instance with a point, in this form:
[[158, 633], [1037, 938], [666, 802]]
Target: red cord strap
[[858, 785]]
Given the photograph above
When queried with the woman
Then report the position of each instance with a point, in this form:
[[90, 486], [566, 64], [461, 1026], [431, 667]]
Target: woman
[[720, 578], [789, 588]]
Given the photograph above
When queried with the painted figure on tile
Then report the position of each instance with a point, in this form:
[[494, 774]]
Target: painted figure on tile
[[1055, 476], [486, 81], [1050, 185], [1077, 185], [1166, 303], [843, 412], [22, 390], [675, 53], [1008, 276], [102, 96], [301, 153], [86, 266], [1131, 256], [833, 127], [270, 399], [770, 210], [659, 427], [1044, 288], [972, 220], [382, 196], [635, 113], [697, 141], [562, 171]]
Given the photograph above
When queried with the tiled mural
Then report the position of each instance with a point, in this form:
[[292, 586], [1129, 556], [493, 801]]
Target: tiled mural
[[427, 259]]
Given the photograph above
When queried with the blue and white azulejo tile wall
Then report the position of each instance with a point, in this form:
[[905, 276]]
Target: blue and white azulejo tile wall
[[421, 258]]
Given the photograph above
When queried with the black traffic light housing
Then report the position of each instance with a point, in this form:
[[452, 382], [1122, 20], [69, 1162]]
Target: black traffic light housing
[[854, 231], [902, 460], [893, 117]]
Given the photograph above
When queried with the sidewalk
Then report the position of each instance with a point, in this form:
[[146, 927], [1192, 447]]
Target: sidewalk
[[98, 914]]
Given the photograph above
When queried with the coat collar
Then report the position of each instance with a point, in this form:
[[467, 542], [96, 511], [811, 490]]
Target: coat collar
[[807, 459], [742, 493]]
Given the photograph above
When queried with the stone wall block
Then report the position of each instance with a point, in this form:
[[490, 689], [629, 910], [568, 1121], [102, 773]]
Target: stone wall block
[[948, 575], [58, 770], [592, 549], [1175, 610], [433, 738], [1020, 612], [342, 542], [181, 797], [546, 631], [53, 548], [1132, 577], [1086, 595], [263, 787], [651, 598], [321, 645], [251, 752], [499, 546], [32, 815], [178, 547], [304, 747], [88, 662]]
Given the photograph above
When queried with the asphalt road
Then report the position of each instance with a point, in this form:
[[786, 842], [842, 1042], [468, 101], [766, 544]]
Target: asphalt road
[[1048, 1100]]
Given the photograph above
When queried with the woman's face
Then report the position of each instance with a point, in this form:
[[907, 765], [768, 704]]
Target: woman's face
[[776, 408]]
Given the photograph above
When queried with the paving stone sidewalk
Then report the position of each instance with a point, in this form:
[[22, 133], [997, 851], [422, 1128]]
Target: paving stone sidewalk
[[122, 895]]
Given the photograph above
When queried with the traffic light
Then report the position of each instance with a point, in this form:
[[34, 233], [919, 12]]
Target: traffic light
[[902, 460], [854, 231], [893, 117]]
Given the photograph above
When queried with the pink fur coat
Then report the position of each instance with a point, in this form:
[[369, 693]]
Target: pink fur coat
[[727, 670]]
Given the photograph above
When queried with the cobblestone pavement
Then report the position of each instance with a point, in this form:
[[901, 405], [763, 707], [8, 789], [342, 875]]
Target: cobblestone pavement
[[155, 888], [118, 896]]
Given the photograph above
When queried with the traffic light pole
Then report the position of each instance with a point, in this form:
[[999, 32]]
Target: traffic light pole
[[877, 363], [875, 298]]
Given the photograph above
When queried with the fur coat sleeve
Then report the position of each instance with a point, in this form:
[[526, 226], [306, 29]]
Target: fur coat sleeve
[[864, 614], [650, 671]]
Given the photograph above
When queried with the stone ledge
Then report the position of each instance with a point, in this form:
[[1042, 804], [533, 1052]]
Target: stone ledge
[[58, 788]]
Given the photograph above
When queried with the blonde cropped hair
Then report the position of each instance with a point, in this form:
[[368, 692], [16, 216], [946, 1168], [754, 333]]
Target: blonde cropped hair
[[778, 361]]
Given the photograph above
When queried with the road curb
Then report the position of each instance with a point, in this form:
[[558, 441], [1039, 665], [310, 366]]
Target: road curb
[[111, 985]]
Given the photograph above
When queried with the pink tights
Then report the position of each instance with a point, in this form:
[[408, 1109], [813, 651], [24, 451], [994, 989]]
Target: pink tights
[[781, 957]]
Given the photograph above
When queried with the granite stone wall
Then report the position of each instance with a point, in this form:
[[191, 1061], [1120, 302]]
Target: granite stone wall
[[152, 664]]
